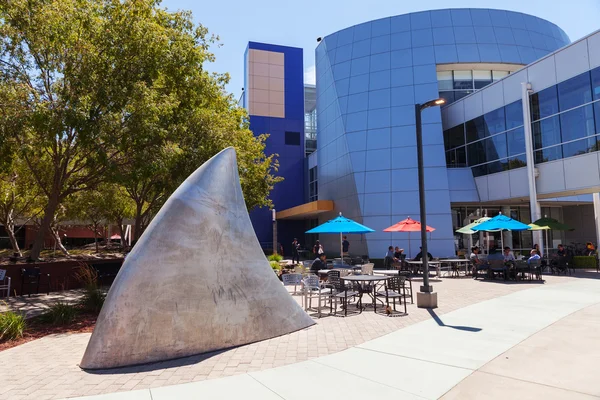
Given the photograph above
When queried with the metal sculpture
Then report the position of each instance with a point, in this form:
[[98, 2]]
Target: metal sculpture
[[196, 281]]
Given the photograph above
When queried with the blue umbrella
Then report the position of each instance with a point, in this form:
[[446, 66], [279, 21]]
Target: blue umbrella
[[341, 225], [501, 223]]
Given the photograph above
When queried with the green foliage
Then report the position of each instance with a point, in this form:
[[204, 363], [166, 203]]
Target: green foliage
[[93, 297], [12, 326], [60, 313], [117, 91], [275, 265], [275, 257], [584, 262]]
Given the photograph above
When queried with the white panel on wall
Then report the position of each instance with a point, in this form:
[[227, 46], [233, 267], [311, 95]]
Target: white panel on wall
[[542, 74], [594, 50], [519, 186], [512, 86], [461, 179], [492, 97], [552, 177], [572, 61], [498, 186], [456, 114], [461, 196], [482, 188], [473, 106], [581, 171]]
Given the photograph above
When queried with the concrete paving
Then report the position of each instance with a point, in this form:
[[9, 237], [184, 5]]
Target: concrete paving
[[536, 343]]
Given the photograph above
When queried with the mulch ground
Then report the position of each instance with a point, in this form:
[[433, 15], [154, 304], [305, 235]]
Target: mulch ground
[[36, 329]]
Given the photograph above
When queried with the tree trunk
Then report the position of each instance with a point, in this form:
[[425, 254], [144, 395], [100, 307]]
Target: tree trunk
[[96, 238], [121, 233], [44, 227], [10, 230], [59, 244], [138, 223]]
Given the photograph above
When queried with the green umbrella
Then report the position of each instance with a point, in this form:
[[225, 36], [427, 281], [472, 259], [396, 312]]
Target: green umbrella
[[467, 228], [546, 224]]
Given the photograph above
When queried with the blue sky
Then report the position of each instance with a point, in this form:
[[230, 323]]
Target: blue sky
[[299, 23]]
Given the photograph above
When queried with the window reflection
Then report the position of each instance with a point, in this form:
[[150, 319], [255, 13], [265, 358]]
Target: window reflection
[[454, 137], [496, 147], [546, 133], [494, 121], [514, 114], [575, 92], [463, 80], [548, 154], [454, 85], [577, 123], [516, 141], [482, 78], [579, 147], [544, 103], [596, 83], [476, 129], [476, 153]]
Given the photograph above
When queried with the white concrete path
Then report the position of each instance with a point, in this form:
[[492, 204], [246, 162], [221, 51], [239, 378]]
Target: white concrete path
[[422, 361]]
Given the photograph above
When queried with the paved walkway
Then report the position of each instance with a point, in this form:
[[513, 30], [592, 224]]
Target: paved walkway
[[430, 359], [47, 368], [36, 304]]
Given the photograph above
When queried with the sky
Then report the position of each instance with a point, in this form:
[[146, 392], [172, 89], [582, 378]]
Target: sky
[[299, 23]]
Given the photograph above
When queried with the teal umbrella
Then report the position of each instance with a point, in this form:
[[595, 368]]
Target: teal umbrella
[[341, 225]]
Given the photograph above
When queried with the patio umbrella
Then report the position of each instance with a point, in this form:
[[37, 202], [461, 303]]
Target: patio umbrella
[[467, 229], [545, 224], [408, 225], [341, 225], [501, 223]]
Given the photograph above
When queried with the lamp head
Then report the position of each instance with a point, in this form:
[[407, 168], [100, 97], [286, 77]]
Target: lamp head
[[433, 103]]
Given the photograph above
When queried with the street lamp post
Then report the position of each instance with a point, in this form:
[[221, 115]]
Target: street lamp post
[[426, 298]]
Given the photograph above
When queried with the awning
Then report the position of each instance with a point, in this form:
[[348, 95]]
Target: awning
[[307, 210]]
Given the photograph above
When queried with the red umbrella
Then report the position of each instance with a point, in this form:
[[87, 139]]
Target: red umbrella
[[408, 225]]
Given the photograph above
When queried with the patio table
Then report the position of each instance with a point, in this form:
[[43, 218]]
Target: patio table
[[364, 281], [436, 264], [387, 272], [458, 261]]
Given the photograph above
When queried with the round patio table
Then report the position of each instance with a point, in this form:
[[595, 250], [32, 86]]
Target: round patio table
[[368, 283]]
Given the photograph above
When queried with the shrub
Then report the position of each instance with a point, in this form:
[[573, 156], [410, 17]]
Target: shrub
[[275, 257], [93, 297], [276, 267], [12, 326], [59, 313], [584, 262]]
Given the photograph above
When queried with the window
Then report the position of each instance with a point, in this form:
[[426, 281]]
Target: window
[[546, 133], [596, 83], [463, 80], [480, 170], [476, 153], [459, 94], [496, 75], [544, 103], [475, 129], [445, 80], [496, 147], [577, 123], [448, 96], [517, 162], [516, 141], [313, 187], [514, 114], [494, 121], [579, 147], [482, 78], [292, 138], [454, 137], [575, 92], [548, 154]]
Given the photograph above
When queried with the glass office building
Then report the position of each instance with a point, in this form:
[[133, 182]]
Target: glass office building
[[369, 78]]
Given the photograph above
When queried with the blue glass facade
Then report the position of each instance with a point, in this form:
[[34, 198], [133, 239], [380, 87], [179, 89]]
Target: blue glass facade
[[284, 123], [369, 77]]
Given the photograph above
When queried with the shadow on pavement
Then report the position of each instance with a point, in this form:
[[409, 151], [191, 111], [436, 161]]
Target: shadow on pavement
[[441, 323]]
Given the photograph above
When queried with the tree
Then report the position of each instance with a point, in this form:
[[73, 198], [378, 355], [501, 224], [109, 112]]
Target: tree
[[90, 208], [115, 90], [18, 199]]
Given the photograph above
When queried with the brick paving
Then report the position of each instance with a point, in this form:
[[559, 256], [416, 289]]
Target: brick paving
[[47, 368]]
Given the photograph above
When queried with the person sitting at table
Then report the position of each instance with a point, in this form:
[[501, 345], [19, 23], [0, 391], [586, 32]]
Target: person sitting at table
[[561, 252], [318, 264], [590, 250], [389, 259], [533, 256], [509, 258], [419, 255], [398, 253], [476, 263], [559, 261]]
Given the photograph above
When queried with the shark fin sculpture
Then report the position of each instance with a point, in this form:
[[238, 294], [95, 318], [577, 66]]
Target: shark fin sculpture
[[196, 281]]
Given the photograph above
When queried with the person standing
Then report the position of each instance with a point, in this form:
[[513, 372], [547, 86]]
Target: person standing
[[318, 249], [295, 253], [345, 246]]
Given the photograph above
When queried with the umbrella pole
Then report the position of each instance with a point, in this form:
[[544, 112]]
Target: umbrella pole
[[502, 240], [341, 249]]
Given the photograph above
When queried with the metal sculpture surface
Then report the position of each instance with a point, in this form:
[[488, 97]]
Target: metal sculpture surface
[[196, 281]]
